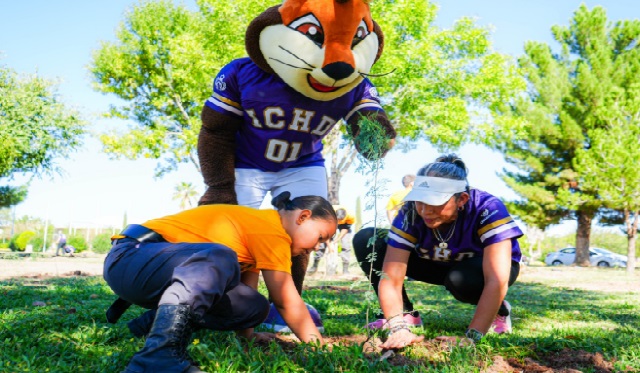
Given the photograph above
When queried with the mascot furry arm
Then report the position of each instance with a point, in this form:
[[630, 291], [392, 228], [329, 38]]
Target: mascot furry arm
[[322, 50]]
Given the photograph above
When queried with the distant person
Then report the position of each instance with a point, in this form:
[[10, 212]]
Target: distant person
[[200, 269], [395, 200], [445, 234], [343, 236], [68, 249], [61, 242]]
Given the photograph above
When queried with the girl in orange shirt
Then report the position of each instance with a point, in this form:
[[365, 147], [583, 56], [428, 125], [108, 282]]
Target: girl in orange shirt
[[200, 269]]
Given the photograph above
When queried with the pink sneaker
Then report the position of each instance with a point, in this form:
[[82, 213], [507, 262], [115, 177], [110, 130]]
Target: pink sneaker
[[413, 320], [410, 319], [502, 324]]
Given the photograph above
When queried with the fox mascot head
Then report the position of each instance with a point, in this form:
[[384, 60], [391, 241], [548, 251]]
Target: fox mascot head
[[320, 48]]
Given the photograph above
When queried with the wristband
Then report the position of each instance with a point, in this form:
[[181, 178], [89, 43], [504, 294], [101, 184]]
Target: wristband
[[399, 328], [473, 335]]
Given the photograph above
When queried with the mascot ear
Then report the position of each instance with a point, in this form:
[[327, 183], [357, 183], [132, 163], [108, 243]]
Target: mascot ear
[[378, 31], [269, 17]]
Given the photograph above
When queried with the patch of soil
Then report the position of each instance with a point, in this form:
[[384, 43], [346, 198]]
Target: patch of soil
[[44, 276], [565, 361], [49, 267]]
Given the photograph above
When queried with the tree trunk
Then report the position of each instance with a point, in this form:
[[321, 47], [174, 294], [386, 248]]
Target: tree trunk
[[341, 159], [582, 238], [334, 180], [534, 236], [632, 234]]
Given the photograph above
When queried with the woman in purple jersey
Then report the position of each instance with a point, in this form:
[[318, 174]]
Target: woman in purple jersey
[[445, 234]]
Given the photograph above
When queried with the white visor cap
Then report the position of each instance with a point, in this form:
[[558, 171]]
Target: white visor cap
[[435, 191]]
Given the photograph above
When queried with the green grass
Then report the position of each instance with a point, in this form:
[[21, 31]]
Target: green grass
[[70, 334]]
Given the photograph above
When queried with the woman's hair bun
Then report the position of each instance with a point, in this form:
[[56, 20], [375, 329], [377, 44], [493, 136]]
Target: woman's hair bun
[[281, 200]]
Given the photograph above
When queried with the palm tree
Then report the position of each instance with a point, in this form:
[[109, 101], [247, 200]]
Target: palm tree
[[185, 193]]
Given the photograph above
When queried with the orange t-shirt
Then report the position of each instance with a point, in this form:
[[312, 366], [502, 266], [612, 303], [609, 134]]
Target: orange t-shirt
[[257, 236]]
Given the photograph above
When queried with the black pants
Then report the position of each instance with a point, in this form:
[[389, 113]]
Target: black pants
[[464, 280], [205, 276]]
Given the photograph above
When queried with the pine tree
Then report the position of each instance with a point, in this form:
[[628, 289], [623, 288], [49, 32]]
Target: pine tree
[[567, 96]]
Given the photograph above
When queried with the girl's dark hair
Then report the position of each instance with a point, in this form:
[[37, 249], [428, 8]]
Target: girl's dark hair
[[320, 208]]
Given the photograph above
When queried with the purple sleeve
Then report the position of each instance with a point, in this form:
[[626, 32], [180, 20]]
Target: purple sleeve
[[402, 235], [366, 98], [226, 92], [495, 224]]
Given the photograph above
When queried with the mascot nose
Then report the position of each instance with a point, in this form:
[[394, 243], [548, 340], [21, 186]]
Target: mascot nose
[[338, 70]]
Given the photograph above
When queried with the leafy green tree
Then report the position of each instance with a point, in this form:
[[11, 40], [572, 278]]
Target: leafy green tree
[[19, 241], [610, 165], [186, 194], [166, 56], [78, 242], [36, 129], [101, 244], [162, 67], [446, 86], [567, 97]]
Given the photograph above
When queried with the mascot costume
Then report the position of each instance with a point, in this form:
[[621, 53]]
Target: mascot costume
[[262, 127]]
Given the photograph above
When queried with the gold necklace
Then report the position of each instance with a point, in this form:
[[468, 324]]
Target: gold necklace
[[443, 242]]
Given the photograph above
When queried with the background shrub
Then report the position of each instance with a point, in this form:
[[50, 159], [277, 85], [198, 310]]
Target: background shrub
[[37, 243], [19, 241], [78, 242], [101, 243]]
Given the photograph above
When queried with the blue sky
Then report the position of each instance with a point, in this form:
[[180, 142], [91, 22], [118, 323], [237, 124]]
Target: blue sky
[[55, 39]]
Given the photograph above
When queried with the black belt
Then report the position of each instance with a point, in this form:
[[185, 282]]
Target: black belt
[[137, 232]]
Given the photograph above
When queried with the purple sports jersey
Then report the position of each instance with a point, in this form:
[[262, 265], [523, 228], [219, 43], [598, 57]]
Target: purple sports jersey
[[282, 128], [484, 221]]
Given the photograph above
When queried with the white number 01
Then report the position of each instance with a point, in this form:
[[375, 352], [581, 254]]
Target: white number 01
[[278, 150]]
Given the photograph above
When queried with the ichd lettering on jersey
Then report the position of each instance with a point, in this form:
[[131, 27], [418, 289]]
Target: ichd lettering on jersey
[[301, 120]]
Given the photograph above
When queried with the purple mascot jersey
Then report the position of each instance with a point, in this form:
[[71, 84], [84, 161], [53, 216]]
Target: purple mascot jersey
[[484, 221], [282, 128]]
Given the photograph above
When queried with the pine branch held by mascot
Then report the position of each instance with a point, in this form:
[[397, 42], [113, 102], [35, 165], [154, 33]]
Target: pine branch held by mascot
[[263, 125]]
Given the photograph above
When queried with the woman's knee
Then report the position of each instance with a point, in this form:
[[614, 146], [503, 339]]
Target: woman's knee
[[465, 281], [362, 246]]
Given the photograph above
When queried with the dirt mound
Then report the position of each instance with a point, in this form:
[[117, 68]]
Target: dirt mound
[[565, 361]]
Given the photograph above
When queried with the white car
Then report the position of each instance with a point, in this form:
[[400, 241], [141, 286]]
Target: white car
[[622, 259], [597, 256]]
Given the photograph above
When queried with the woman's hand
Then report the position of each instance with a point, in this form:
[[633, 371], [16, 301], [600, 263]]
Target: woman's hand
[[455, 341], [400, 339], [263, 337]]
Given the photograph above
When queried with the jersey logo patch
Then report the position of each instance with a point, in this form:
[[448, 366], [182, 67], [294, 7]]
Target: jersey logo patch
[[220, 84], [486, 215]]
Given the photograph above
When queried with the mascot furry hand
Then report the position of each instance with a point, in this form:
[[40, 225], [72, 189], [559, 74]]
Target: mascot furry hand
[[306, 70]]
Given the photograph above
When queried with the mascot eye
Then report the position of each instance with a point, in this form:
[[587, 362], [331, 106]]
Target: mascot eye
[[361, 33], [313, 32]]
